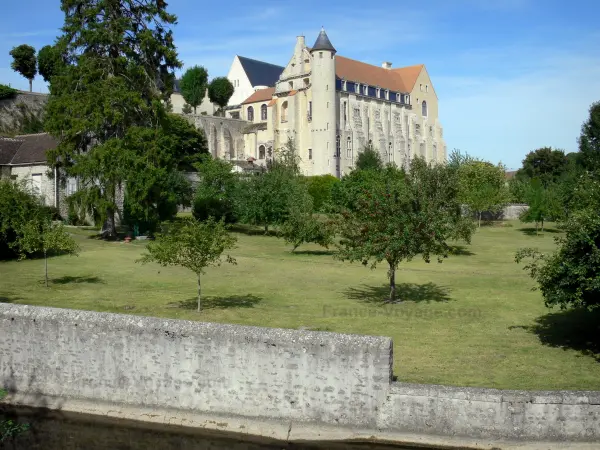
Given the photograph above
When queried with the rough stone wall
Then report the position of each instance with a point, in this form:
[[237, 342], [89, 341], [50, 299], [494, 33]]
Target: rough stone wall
[[509, 212], [11, 111], [47, 183], [492, 413], [262, 373], [222, 369]]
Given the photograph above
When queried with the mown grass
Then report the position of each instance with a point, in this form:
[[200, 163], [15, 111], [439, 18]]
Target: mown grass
[[472, 320]]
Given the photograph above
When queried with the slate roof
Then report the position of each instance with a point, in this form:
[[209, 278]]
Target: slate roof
[[260, 73], [26, 149], [8, 149], [323, 42]]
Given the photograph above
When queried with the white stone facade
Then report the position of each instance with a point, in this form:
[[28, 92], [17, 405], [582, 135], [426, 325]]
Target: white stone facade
[[332, 118]]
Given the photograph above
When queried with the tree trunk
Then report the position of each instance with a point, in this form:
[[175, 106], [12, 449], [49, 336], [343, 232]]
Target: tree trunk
[[46, 266], [542, 225], [109, 228], [195, 109], [479, 219], [266, 228], [536, 228], [392, 283], [199, 292], [31, 85]]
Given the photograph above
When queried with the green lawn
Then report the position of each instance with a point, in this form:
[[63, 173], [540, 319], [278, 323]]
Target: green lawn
[[472, 320]]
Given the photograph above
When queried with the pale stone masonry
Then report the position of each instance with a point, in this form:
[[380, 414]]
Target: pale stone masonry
[[334, 106]]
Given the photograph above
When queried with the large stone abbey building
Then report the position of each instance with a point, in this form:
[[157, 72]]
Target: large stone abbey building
[[333, 106]]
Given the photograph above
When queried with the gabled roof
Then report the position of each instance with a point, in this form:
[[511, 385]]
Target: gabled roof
[[8, 149], [399, 80], [262, 95], [260, 73], [26, 149]]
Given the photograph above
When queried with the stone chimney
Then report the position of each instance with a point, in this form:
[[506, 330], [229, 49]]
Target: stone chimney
[[387, 65], [300, 43]]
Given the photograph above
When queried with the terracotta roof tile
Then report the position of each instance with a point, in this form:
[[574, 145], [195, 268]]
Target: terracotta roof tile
[[292, 93], [272, 102], [399, 80], [261, 95]]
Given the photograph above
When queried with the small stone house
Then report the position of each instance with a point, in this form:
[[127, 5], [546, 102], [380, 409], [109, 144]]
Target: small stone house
[[24, 158]]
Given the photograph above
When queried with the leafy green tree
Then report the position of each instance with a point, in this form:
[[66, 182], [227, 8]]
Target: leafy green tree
[[108, 91], [303, 227], [194, 245], [543, 204], [216, 190], [220, 91], [589, 141], [50, 62], [46, 237], [187, 109], [193, 86], [320, 188], [398, 215], [369, 159], [546, 164], [24, 62], [569, 277], [482, 186]]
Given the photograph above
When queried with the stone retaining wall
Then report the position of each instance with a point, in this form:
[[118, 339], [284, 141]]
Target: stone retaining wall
[[286, 376]]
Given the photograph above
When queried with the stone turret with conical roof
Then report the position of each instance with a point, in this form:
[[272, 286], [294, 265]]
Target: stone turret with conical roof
[[323, 126], [323, 43]]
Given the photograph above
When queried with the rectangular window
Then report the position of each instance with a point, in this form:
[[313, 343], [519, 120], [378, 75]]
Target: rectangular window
[[309, 111], [344, 105], [310, 153], [71, 185], [36, 183]]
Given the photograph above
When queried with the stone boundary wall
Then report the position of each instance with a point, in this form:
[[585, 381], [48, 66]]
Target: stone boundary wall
[[509, 212], [260, 374], [216, 368]]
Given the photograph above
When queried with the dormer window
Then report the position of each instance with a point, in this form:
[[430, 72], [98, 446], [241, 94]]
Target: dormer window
[[344, 85], [366, 89], [387, 94], [378, 92], [357, 88], [398, 98]]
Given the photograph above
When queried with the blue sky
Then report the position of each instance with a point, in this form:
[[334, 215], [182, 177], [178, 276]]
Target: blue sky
[[511, 75]]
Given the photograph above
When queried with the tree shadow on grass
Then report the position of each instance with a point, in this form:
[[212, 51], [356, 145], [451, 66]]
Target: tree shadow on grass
[[69, 280], [530, 231], [460, 250], [576, 329], [251, 230], [405, 292], [5, 299], [314, 252], [219, 302]]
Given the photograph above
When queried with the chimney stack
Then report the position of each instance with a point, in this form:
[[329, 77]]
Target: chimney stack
[[387, 65]]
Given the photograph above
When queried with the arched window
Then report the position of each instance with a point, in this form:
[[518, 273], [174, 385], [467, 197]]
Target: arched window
[[349, 147], [263, 112], [284, 112], [261, 152], [424, 108], [250, 114], [390, 152]]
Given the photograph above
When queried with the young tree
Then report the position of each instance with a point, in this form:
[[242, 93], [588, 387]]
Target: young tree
[[193, 245], [193, 86], [302, 227], [215, 192], [369, 159], [589, 141], [50, 62], [120, 59], [187, 109], [482, 186], [398, 215], [569, 277], [24, 62], [320, 188], [220, 91], [46, 237], [543, 204]]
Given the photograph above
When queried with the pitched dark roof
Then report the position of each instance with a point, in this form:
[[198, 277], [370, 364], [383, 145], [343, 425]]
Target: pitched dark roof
[[260, 73], [323, 42], [8, 149], [26, 149]]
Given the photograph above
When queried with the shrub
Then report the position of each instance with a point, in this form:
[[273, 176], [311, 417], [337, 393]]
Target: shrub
[[320, 188], [7, 92]]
